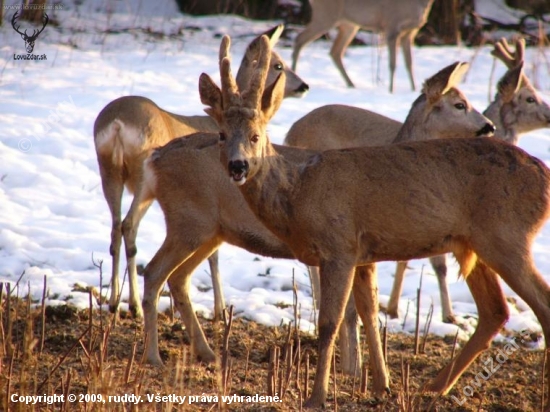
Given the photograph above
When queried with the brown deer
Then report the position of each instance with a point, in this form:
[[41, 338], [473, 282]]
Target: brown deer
[[516, 109], [346, 208], [342, 126], [440, 112], [399, 20], [125, 133]]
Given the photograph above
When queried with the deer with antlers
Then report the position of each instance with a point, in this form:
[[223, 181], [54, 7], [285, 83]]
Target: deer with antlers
[[125, 133], [346, 208], [399, 20], [29, 40]]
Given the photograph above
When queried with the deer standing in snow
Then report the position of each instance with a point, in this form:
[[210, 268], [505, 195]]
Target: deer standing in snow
[[349, 208]]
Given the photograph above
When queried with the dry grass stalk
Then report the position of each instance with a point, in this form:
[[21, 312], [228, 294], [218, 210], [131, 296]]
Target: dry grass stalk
[[427, 328], [43, 316], [228, 321], [335, 378], [417, 323], [406, 314], [306, 376]]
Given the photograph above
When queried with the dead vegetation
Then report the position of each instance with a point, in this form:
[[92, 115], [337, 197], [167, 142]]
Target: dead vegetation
[[61, 350]]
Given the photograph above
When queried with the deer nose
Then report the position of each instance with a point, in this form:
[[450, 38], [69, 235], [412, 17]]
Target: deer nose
[[304, 87], [487, 130], [238, 169]]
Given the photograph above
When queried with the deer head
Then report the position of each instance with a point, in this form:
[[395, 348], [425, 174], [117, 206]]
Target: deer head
[[243, 116], [29, 40]]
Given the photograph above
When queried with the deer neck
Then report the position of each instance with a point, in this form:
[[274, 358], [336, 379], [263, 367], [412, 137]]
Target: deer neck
[[413, 128], [504, 120], [269, 192]]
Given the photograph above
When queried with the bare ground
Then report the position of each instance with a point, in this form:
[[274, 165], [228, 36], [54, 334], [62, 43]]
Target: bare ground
[[101, 357]]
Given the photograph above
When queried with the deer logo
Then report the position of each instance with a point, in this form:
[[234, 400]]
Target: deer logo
[[29, 40]]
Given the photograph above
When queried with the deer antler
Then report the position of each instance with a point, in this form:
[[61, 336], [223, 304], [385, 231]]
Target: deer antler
[[230, 90], [13, 24], [503, 52], [253, 95]]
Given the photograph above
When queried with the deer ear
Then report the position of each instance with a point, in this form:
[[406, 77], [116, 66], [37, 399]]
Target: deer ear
[[443, 81], [273, 96], [510, 83], [211, 95], [274, 34]]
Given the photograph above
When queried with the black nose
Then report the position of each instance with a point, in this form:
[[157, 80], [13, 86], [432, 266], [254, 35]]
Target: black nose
[[238, 167], [304, 87], [488, 129]]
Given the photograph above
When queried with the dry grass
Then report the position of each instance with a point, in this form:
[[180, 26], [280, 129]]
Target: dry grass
[[86, 352]]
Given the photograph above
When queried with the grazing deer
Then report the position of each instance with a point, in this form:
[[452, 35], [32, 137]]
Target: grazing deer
[[399, 20], [125, 133], [346, 208]]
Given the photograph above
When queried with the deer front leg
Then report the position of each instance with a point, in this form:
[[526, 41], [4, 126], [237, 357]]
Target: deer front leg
[[365, 292], [336, 281], [219, 301], [492, 315]]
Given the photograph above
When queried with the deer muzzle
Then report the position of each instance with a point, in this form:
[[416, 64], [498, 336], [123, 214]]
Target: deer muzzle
[[238, 171], [486, 131]]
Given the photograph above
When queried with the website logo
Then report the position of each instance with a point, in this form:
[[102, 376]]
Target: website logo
[[29, 39]]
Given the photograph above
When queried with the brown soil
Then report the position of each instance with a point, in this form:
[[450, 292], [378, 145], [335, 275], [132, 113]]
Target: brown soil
[[69, 366]]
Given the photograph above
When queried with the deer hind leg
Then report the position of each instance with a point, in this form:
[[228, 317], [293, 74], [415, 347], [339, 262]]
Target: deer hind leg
[[392, 38], [140, 204], [365, 292], [112, 181], [179, 288], [492, 315], [348, 337], [336, 282], [439, 265], [219, 301], [397, 289], [406, 45], [346, 33]]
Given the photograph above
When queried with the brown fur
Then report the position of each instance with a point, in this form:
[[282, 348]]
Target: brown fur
[[391, 203], [125, 133]]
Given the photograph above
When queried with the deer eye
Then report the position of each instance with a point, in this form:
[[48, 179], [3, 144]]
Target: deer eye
[[460, 106], [278, 66], [530, 100], [254, 138], [222, 137]]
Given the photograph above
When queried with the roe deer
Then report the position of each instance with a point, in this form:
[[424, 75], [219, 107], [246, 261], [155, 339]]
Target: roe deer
[[399, 20], [514, 109], [126, 131], [346, 208], [441, 111]]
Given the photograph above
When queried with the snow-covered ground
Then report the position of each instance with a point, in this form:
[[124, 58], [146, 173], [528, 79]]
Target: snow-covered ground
[[54, 220]]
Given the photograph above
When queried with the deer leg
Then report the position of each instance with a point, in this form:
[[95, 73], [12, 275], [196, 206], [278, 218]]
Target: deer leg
[[406, 45], [492, 315], [138, 208], [397, 289], [365, 291], [391, 38], [167, 259], [346, 33], [336, 281], [349, 341], [348, 337], [440, 267], [219, 301], [179, 288], [315, 29], [112, 182]]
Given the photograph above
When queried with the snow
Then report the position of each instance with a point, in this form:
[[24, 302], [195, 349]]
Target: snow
[[54, 220]]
